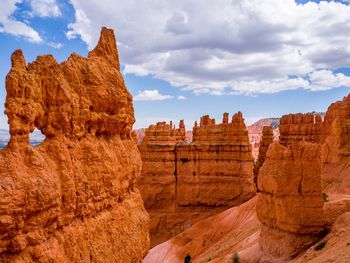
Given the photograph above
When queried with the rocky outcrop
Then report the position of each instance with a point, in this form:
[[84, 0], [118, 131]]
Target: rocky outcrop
[[73, 197], [336, 150], [157, 182], [215, 170], [297, 127], [255, 133], [266, 140], [337, 131], [184, 183], [290, 203]]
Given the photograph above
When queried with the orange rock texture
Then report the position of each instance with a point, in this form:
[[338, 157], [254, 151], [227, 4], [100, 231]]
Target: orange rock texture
[[255, 133], [296, 127], [294, 214], [266, 140], [73, 197], [183, 183], [290, 203]]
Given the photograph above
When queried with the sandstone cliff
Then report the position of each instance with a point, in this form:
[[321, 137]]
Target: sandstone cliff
[[184, 183], [296, 127], [73, 197], [266, 140]]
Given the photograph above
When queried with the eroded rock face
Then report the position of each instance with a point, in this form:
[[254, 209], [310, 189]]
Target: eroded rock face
[[216, 168], [266, 140], [73, 197], [297, 127], [337, 131], [290, 204], [184, 183]]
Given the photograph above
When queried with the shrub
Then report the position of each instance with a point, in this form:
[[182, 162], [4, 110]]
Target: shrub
[[320, 245], [325, 197], [187, 259], [235, 258]]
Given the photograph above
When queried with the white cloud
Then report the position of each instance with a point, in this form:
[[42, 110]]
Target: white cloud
[[151, 95], [45, 8], [180, 97], [326, 79], [11, 26], [55, 45], [224, 46]]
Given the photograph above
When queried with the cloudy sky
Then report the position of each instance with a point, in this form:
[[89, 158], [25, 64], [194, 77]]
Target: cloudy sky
[[183, 59]]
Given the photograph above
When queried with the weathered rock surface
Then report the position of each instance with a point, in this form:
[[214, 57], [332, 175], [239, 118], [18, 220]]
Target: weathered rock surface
[[266, 140], [73, 197], [255, 133], [290, 203], [297, 127], [183, 183], [336, 149], [335, 247]]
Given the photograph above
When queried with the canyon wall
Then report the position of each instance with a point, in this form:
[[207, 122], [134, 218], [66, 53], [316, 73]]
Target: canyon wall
[[296, 127], [184, 183], [266, 140], [73, 198]]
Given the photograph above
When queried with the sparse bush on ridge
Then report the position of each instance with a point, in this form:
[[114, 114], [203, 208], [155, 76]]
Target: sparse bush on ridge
[[235, 258], [325, 197], [320, 245]]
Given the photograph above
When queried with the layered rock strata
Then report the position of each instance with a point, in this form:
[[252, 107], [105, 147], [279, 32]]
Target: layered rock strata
[[297, 127], [183, 183], [216, 169], [290, 203], [73, 197]]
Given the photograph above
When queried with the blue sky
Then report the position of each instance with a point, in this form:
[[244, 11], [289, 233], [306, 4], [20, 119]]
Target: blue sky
[[183, 60]]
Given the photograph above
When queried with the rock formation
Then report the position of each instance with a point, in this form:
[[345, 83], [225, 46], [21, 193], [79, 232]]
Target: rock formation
[[296, 127], [303, 193], [255, 132], [183, 183], [266, 140], [216, 169], [337, 130], [290, 203], [73, 197]]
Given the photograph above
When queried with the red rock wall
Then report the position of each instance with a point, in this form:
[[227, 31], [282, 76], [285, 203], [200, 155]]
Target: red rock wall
[[336, 149], [290, 203], [296, 127], [216, 168], [266, 140], [337, 131], [183, 183], [73, 197]]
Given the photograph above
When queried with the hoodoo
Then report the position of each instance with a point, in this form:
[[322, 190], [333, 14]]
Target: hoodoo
[[73, 197], [290, 203]]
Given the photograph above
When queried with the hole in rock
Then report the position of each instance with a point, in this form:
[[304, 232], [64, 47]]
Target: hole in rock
[[36, 137], [4, 137]]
